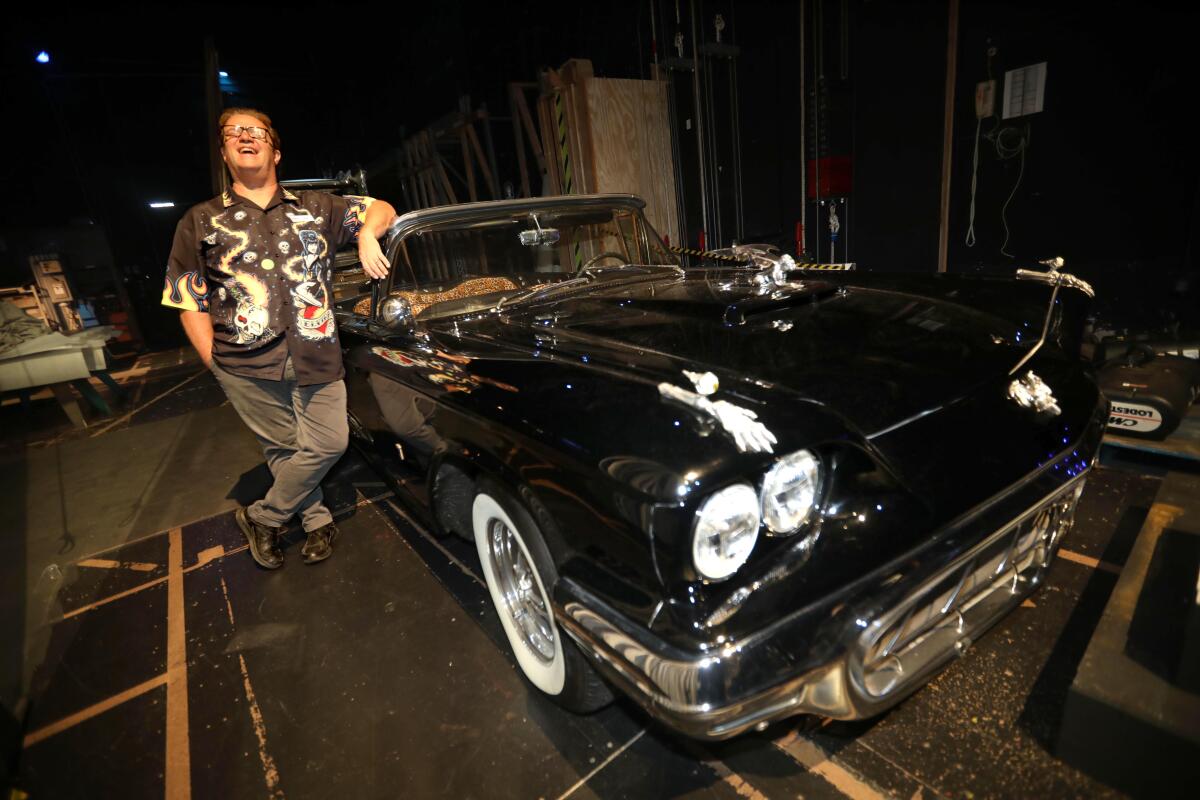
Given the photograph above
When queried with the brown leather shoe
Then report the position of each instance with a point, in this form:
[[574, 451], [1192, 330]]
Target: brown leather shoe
[[319, 545], [263, 541]]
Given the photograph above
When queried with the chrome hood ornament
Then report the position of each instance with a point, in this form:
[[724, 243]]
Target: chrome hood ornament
[[1055, 278], [742, 424], [1030, 391], [781, 268], [705, 382]]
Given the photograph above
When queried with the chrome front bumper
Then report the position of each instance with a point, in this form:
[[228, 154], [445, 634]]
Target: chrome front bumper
[[888, 653]]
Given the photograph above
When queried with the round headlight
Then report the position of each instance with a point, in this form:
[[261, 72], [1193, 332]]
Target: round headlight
[[790, 491], [725, 532]]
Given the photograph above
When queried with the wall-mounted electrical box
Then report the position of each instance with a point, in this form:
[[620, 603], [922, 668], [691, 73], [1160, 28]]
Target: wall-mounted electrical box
[[985, 99]]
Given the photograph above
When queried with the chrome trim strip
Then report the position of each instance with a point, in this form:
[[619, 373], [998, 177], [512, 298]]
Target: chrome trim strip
[[466, 211], [685, 692], [893, 623]]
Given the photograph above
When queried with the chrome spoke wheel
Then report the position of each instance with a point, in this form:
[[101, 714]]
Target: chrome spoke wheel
[[522, 596], [519, 574]]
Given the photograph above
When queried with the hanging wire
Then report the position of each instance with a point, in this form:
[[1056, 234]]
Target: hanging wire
[[974, 184], [1007, 152], [991, 52]]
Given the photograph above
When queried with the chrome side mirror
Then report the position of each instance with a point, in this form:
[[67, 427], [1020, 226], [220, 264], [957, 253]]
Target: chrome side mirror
[[396, 315]]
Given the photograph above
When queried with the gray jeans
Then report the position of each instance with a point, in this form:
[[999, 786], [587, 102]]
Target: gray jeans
[[303, 432]]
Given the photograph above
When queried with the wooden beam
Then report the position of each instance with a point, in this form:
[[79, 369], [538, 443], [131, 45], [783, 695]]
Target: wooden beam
[[948, 135], [489, 147], [418, 163], [576, 70], [406, 178], [483, 164], [518, 139], [435, 194], [527, 121], [546, 120], [429, 158], [583, 157], [418, 184], [440, 169], [466, 154]]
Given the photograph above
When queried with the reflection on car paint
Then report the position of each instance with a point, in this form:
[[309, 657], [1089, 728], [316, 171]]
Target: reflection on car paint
[[448, 374], [407, 413]]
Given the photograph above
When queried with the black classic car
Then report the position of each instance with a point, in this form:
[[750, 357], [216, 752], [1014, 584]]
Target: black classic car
[[733, 493]]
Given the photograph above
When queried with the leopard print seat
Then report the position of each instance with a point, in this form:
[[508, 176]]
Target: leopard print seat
[[423, 300]]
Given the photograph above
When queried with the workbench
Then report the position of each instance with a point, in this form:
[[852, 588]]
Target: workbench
[[59, 361]]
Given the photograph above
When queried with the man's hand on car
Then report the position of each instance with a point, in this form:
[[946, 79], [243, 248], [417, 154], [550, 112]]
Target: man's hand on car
[[374, 263]]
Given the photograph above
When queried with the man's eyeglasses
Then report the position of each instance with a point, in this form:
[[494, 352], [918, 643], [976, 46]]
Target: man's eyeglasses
[[235, 131]]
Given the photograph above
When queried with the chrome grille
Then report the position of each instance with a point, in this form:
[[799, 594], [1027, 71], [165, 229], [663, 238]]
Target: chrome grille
[[939, 619]]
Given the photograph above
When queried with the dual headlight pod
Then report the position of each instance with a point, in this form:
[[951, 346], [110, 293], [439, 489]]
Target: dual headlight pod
[[726, 530], [727, 523]]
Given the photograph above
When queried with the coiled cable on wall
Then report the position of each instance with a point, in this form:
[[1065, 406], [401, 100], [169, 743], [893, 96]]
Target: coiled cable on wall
[[1007, 150]]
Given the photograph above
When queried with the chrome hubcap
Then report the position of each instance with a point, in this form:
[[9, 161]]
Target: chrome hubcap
[[518, 587]]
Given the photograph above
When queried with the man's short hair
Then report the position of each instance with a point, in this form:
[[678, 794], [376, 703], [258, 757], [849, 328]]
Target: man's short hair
[[251, 112]]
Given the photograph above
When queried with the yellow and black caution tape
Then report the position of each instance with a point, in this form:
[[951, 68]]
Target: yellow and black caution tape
[[564, 152], [709, 254], [687, 251], [831, 267], [563, 149]]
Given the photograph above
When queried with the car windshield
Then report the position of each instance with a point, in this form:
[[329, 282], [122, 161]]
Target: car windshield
[[476, 263]]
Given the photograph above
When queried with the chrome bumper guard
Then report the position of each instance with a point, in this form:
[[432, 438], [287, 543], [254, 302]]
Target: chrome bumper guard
[[892, 657], [903, 647]]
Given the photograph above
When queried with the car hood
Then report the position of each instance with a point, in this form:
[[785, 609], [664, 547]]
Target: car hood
[[875, 357]]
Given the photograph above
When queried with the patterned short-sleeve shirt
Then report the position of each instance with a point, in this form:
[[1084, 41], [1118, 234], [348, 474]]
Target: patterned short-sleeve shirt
[[263, 275]]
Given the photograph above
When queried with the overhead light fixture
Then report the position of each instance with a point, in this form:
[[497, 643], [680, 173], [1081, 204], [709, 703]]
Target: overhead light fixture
[[43, 57], [162, 204]]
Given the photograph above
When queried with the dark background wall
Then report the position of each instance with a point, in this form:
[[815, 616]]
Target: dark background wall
[[1112, 171], [1110, 177], [899, 59]]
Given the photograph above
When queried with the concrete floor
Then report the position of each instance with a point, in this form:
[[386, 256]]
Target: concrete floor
[[157, 657]]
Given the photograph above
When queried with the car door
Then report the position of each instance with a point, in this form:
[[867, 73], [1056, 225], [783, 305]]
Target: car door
[[390, 415]]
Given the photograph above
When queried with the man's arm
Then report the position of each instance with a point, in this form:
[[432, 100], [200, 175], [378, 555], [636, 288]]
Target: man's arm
[[198, 328], [186, 290], [379, 216]]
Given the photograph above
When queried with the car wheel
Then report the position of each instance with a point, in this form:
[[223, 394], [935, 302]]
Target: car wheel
[[519, 572]]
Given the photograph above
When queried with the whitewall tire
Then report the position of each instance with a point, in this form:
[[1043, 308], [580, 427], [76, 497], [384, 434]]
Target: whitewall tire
[[519, 595], [520, 575]]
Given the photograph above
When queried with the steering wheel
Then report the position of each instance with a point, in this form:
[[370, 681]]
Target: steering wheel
[[606, 254]]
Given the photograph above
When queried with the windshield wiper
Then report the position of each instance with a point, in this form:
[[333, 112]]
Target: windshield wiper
[[538, 291]]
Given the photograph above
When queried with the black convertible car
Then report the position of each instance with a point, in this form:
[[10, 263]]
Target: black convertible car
[[732, 493]]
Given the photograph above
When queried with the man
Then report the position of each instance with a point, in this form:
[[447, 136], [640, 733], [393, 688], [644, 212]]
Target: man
[[250, 271]]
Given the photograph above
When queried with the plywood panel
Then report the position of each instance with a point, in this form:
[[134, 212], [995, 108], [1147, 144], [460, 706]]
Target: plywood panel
[[631, 146]]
